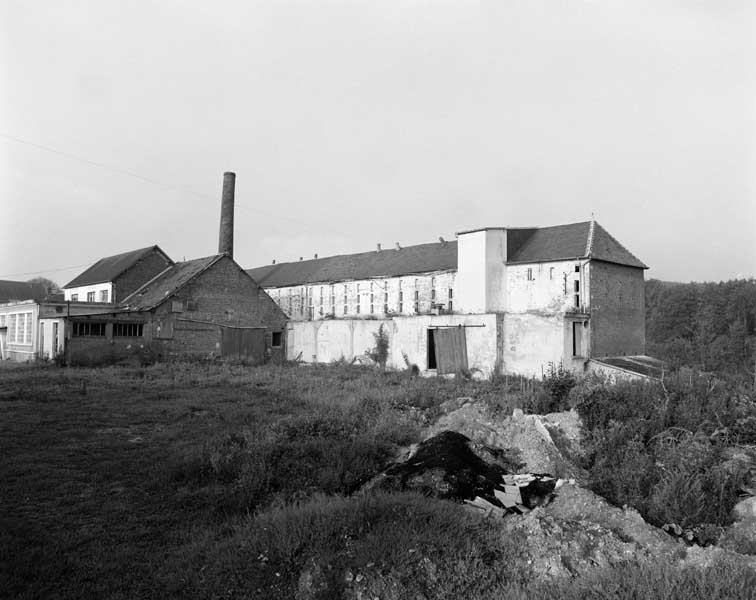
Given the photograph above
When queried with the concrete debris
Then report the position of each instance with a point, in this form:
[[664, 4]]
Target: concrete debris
[[530, 434]]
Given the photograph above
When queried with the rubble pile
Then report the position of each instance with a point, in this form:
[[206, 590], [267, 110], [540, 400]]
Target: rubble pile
[[531, 435]]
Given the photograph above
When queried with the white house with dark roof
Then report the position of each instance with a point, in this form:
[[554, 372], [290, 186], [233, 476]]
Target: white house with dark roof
[[495, 299], [113, 278]]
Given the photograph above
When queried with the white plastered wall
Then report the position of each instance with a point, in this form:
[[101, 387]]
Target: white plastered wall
[[331, 340], [82, 292]]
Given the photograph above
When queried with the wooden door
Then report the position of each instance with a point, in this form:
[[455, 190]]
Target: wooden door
[[451, 349], [243, 344]]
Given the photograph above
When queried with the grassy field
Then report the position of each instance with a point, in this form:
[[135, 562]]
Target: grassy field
[[222, 481]]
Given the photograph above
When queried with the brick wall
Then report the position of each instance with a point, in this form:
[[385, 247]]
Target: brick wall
[[145, 269], [618, 321], [224, 295]]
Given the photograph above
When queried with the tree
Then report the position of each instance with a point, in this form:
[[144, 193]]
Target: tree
[[50, 286]]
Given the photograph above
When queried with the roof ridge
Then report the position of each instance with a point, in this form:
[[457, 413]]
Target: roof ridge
[[589, 243]]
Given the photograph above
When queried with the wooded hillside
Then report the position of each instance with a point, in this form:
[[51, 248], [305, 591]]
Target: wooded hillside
[[708, 326]]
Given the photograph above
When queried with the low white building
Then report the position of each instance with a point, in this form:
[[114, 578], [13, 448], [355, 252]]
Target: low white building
[[519, 299]]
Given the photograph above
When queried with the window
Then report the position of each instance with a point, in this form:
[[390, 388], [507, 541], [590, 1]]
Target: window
[[74, 297], [577, 268], [103, 295], [20, 329], [275, 339], [128, 329], [345, 309], [28, 334], [433, 293], [90, 296], [530, 274], [177, 306], [451, 306], [86, 329], [451, 293], [385, 308], [577, 293], [551, 272], [2, 320]]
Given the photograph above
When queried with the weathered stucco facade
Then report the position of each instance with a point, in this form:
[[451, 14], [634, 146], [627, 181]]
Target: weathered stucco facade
[[537, 297]]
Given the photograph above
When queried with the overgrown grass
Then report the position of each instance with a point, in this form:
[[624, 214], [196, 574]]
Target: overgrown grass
[[221, 481], [667, 451]]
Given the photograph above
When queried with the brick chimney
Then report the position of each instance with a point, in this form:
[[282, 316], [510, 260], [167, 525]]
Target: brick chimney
[[226, 237]]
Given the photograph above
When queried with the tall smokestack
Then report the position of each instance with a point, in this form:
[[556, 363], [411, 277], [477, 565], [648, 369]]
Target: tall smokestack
[[226, 237]]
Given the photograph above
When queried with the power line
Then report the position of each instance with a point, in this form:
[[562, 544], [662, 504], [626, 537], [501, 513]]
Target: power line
[[46, 271], [120, 171]]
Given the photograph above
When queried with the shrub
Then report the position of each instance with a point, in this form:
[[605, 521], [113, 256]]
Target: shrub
[[379, 354], [557, 383]]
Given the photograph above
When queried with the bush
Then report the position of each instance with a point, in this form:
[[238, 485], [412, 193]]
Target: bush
[[557, 383]]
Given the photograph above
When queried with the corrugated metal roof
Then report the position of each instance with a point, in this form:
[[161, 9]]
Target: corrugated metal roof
[[108, 268], [11, 291], [575, 240], [162, 286], [424, 258]]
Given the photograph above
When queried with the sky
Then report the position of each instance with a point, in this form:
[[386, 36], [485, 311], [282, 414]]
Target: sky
[[354, 123]]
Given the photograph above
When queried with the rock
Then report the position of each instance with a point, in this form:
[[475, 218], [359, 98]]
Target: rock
[[745, 509], [451, 466], [527, 433], [312, 581]]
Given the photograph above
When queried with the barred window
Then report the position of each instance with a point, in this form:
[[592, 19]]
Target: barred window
[[128, 329], [86, 329]]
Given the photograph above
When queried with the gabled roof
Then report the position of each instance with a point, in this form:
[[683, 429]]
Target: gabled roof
[[440, 256], [108, 268], [167, 283], [525, 245], [21, 290], [576, 240]]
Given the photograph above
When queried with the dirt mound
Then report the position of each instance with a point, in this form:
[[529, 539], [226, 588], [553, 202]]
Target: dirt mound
[[450, 466], [535, 436]]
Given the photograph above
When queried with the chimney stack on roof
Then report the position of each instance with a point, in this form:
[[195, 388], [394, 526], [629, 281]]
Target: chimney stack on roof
[[300, 258], [442, 240], [316, 255], [378, 249], [226, 236], [274, 261], [398, 247]]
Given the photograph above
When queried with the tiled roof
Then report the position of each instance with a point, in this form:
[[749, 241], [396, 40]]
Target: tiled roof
[[21, 290], [562, 242], [424, 258], [160, 287], [108, 268]]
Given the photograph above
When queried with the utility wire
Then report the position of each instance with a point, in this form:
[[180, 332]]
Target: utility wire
[[162, 184]]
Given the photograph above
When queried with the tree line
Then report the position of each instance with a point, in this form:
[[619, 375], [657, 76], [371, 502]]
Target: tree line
[[706, 326]]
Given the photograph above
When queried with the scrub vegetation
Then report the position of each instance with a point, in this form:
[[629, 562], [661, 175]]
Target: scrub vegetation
[[228, 481]]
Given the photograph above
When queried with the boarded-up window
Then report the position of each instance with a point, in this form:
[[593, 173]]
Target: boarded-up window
[[164, 329], [450, 346], [177, 306]]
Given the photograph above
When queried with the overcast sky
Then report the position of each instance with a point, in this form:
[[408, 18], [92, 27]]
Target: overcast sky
[[357, 122]]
